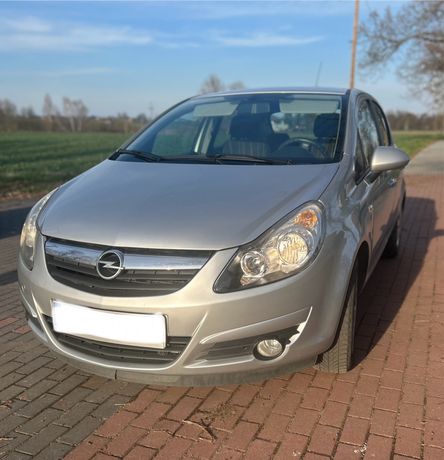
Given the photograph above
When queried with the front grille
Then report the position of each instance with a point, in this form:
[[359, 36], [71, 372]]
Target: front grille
[[123, 353], [145, 273], [243, 347]]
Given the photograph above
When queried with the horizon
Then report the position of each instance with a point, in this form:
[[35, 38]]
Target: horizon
[[142, 57]]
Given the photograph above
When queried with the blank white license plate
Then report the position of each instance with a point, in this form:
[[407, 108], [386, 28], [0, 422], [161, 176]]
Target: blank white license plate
[[137, 329]]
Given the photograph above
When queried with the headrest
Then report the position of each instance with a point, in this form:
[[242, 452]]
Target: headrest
[[250, 127], [326, 125]]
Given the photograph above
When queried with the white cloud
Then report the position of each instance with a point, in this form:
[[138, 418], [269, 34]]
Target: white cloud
[[262, 39], [31, 33], [92, 35], [27, 24], [177, 44]]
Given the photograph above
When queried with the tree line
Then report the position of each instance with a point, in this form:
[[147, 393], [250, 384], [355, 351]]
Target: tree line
[[74, 118], [73, 115]]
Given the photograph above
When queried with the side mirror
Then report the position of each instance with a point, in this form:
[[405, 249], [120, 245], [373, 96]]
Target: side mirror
[[386, 158]]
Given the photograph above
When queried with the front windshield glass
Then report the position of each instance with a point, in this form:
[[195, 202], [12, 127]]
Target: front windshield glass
[[282, 127]]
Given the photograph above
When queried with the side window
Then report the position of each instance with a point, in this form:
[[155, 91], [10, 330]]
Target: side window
[[368, 131], [384, 137], [361, 165]]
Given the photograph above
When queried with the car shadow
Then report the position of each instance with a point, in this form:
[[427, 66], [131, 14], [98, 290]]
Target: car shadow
[[393, 279]]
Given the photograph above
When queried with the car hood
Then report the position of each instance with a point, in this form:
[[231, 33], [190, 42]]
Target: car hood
[[179, 206]]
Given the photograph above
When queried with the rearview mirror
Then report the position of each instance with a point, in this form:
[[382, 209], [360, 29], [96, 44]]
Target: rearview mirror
[[386, 158]]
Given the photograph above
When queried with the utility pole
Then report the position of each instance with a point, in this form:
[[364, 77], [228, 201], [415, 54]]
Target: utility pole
[[354, 43]]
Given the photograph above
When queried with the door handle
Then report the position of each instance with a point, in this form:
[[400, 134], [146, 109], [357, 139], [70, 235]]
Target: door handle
[[392, 182]]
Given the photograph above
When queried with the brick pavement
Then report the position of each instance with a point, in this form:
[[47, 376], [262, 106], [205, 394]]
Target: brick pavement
[[46, 407], [390, 406]]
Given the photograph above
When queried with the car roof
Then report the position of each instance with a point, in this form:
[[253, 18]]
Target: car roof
[[286, 89]]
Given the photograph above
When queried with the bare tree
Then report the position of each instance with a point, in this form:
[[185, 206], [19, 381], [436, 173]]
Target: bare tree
[[213, 84], [75, 111], [27, 112], [68, 112], [236, 85], [415, 33], [81, 112], [123, 122], [51, 114], [8, 113]]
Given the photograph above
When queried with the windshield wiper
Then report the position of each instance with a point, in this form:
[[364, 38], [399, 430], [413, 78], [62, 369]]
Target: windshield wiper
[[188, 159], [152, 157], [247, 159], [146, 156]]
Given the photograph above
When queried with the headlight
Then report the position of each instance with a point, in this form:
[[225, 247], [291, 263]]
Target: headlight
[[283, 250], [29, 232]]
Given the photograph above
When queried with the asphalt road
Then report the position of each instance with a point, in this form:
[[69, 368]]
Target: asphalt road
[[11, 220]]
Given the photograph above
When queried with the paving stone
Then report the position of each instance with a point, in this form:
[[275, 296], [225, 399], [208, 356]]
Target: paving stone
[[81, 430], [54, 451], [38, 422], [75, 414], [110, 406], [39, 441], [36, 406]]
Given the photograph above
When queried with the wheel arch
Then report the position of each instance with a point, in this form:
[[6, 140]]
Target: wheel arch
[[358, 271], [360, 264]]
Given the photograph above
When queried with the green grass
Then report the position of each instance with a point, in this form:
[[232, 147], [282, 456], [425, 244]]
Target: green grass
[[414, 141], [35, 162]]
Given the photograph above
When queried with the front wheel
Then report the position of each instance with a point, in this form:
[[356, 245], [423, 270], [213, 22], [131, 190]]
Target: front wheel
[[338, 359]]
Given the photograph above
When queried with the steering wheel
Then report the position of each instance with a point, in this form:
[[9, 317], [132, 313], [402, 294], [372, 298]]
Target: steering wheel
[[300, 141]]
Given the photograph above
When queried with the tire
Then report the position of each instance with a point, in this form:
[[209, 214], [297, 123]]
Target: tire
[[394, 242], [338, 359]]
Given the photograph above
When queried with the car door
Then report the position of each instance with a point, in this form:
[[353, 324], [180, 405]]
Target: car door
[[391, 177], [379, 198]]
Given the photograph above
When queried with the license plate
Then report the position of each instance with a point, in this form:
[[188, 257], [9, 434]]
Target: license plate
[[136, 329]]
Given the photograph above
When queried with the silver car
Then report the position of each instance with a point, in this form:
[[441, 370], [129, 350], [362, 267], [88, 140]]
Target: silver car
[[226, 242]]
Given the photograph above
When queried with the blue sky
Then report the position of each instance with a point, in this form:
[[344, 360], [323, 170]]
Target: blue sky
[[125, 57]]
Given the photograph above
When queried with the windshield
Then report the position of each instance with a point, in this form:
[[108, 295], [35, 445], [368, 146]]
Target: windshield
[[289, 128]]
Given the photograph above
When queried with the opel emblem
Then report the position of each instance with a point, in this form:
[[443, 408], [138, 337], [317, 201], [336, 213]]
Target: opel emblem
[[109, 264]]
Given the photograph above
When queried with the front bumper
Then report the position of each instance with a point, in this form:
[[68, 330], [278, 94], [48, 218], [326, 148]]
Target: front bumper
[[208, 319]]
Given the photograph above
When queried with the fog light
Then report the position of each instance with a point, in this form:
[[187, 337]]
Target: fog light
[[269, 349]]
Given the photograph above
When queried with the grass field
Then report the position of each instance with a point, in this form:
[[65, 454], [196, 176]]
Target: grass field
[[414, 141], [37, 162], [33, 163]]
